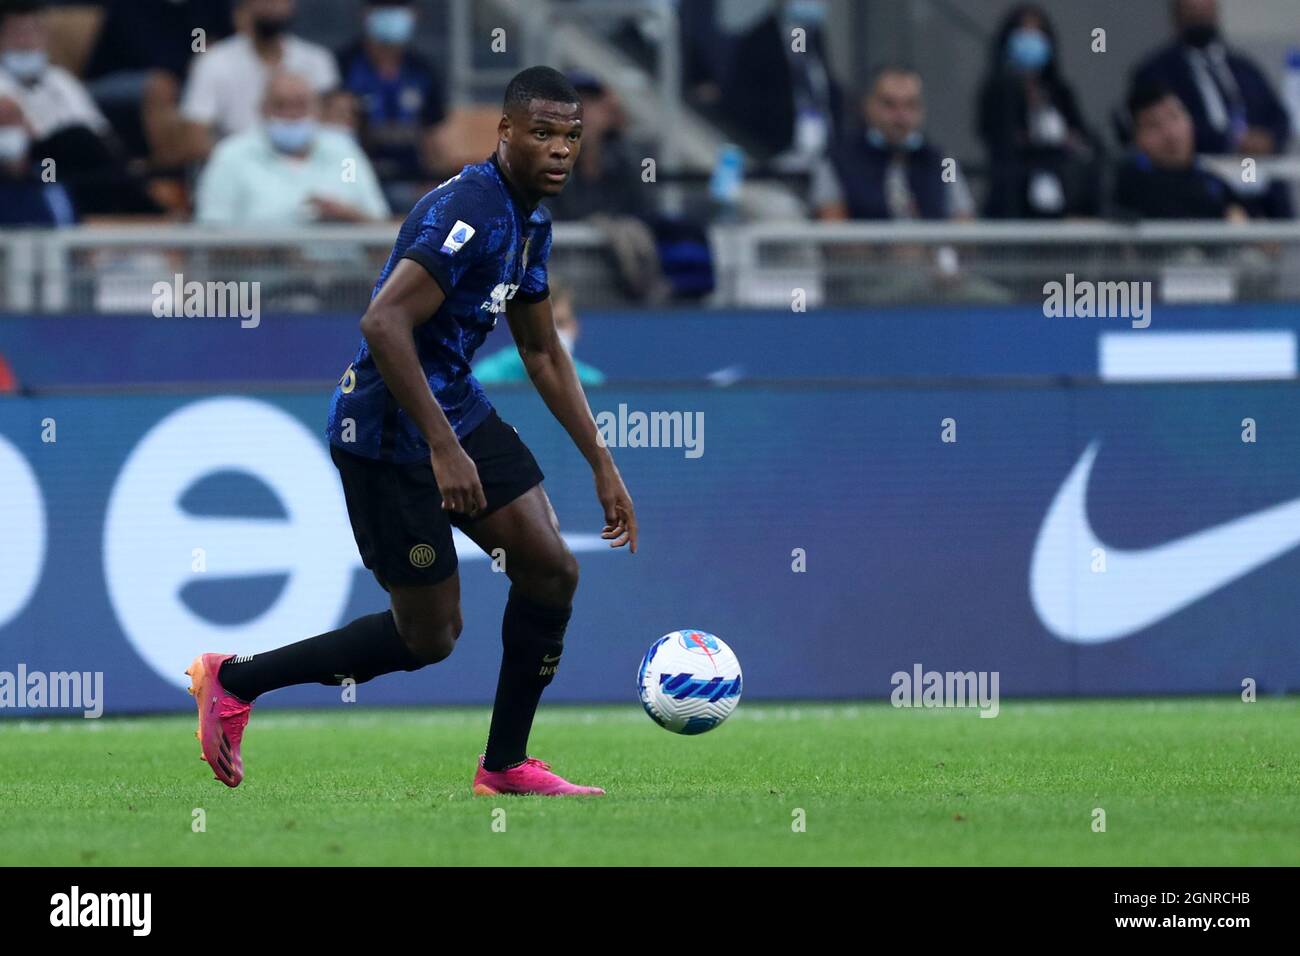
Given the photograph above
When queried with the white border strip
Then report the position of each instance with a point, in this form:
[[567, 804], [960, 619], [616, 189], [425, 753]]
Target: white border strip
[[1145, 356]]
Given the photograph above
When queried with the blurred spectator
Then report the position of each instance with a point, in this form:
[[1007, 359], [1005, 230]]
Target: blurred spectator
[[25, 200], [65, 124], [606, 191], [505, 367], [140, 59], [607, 177], [1232, 106], [782, 103], [52, 99], [1162, 179], [340, 109], [1042, 158], [888, 169], [399, 94], [290, 169], [227, 83], [703, 51]]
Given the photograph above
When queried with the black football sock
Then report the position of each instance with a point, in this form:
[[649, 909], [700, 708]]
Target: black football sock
[[364, 649], [532, 639]]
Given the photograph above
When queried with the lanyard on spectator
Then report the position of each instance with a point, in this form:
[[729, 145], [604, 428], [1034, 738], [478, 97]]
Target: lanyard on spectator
[[1218, 87]]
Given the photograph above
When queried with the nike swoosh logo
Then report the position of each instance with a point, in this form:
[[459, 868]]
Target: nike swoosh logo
[[1140, 588], [550, 660]]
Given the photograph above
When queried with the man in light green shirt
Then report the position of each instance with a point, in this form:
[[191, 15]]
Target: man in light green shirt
[[506, 367], [290, 169]]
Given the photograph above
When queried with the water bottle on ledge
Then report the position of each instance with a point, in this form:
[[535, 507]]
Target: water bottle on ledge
[[724, 187]]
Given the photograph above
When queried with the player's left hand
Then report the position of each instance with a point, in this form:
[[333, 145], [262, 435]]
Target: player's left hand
[[620, 516]]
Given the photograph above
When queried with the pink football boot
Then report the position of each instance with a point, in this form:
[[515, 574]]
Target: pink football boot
[[532, 776], [222, 718]]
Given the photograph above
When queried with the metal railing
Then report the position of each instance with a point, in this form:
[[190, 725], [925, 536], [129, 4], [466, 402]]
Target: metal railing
[[298, 269], [770, 264], [861, 263]]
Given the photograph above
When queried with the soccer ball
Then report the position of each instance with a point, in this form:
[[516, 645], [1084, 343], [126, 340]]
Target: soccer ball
[[689, 681]]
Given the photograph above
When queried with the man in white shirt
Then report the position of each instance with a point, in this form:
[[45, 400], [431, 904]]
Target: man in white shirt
[[65, 127], [290, 168], [226, 84], [52, 99]]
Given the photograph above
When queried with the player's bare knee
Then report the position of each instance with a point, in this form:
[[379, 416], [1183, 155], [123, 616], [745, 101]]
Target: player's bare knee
[[554, 583], [433, 641]]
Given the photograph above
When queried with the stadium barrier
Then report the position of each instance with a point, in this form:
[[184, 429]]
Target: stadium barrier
[[790, 265]]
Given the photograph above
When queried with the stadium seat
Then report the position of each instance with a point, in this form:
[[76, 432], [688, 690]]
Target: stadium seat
[[469, 134], [73, 32]]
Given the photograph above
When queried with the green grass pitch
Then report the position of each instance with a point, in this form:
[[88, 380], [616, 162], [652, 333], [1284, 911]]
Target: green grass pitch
[[1182, 782]]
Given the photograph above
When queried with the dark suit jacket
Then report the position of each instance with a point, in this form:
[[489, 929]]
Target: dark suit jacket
[[1170, 67], [758, 89]]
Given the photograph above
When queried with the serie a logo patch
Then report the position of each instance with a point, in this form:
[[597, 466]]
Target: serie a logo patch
[[460, 234], [422, 555]]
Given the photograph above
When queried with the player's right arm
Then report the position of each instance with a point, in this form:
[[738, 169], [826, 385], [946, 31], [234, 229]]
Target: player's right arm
[[408, 298]]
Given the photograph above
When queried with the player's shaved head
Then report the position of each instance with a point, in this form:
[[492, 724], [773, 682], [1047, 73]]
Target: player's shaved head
[[538, 83], [540, 132]]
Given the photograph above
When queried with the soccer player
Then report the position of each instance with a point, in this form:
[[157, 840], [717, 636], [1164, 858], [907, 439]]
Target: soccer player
[[420, 449]]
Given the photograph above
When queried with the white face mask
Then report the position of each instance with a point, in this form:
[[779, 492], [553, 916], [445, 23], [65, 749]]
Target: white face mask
[[13, 143], [391, 25], [291, 136], [25, 64]]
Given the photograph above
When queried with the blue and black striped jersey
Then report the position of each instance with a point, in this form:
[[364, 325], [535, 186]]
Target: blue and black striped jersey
[[475, 235]]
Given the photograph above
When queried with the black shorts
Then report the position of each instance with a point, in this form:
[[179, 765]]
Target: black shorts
[[402, 531]]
